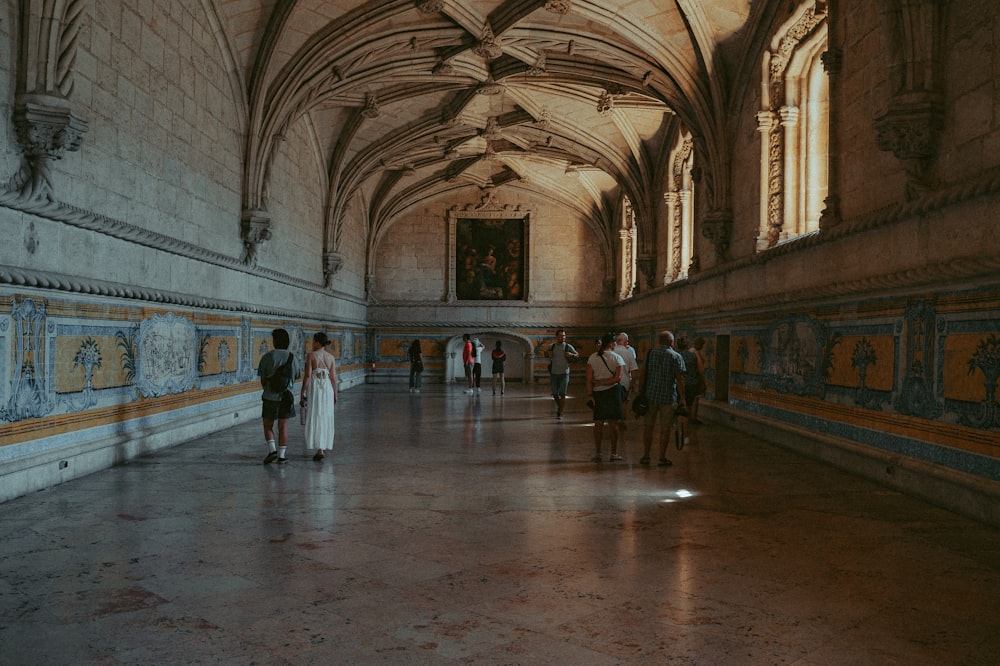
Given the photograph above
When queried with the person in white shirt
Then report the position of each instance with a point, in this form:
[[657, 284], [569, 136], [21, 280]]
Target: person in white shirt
[[477, 363], [604, 374]]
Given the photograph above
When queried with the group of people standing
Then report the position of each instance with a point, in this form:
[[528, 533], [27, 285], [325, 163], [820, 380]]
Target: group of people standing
[[671, 384], [278, 369], [472, 363]]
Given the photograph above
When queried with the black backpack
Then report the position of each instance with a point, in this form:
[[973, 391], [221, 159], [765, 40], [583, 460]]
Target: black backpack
[[278, 382]]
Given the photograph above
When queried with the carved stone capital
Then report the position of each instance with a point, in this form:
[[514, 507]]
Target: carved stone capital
[[717, 227], [789, 115], [255, 228], [46, 128], [765, 120], [558, 6]]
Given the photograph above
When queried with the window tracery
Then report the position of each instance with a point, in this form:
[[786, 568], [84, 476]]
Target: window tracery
[[679, 197], [794, 129]]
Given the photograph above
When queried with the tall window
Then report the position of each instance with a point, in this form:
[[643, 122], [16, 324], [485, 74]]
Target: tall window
[[679, 197], [794, 128]]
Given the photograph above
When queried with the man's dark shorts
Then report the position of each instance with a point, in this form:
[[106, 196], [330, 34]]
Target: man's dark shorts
[[275, 410]]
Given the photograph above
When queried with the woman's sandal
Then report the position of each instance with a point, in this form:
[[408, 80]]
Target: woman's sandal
[[318, 456]]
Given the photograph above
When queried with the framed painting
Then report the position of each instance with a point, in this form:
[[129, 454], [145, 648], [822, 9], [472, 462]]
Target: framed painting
[[489, 255]]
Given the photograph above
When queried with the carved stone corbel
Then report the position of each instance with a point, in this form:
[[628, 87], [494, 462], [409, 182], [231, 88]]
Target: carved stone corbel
[[911, 130], [255, 229], [647, 268], [46, 129], [717, 227], [332, 261]]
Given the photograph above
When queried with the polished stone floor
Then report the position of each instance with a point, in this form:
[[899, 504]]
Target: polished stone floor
[[456, 529]]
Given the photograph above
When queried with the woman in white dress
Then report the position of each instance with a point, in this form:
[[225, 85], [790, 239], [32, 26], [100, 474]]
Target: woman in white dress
[[319, 395]]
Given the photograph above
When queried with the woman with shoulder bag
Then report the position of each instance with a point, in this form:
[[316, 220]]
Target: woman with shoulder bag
[[604, 372]]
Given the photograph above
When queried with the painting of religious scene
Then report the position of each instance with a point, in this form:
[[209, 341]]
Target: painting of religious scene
[[489, 264]]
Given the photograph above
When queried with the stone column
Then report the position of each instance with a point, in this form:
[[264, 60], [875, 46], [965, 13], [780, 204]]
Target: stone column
[[672, 270], [790, 187], [765, 122]]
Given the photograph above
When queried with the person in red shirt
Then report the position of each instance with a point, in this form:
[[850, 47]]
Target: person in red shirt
[[468, 359]]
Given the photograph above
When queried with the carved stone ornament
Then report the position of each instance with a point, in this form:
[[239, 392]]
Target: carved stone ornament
[[489, 87], [911, 130], [647, 267], [605, 103], [558, 6], [488, 47], [538, 69], [255, 228], [47, 130], [371, 109], [717, 227], [332, 261], [910, 133], [492, 131], [430, 6]]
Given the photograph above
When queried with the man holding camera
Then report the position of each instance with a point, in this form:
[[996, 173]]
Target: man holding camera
[[663, 386]]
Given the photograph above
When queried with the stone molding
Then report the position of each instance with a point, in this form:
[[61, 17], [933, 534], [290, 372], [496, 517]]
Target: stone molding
[[82, 219], [47, 280]]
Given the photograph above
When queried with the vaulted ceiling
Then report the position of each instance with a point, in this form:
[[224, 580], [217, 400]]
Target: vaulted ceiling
[[575, 100]]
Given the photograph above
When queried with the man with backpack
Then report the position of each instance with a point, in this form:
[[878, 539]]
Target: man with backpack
[[277, 370]]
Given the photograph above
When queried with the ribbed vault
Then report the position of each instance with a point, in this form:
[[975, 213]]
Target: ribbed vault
[[575, 101]]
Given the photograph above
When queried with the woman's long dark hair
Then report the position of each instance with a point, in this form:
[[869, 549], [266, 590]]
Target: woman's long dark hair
[[322, 338], [415, 347], [606, 341]]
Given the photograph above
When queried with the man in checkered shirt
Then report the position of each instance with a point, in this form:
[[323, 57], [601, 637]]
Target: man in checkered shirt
[[663, 386]]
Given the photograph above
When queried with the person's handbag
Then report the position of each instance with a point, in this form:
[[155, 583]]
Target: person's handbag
[[302, 411], [640, 405]]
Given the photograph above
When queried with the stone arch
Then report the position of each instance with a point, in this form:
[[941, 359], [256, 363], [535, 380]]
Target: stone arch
[[520, 355]]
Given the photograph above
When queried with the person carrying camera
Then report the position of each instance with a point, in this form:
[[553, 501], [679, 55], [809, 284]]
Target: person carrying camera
[[663, 387]]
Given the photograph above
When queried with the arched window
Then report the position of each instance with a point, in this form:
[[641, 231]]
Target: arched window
[[794, 128], [679, 197]]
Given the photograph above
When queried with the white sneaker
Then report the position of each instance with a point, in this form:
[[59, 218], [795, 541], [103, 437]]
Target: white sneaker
[[468, 391], [479, 390]]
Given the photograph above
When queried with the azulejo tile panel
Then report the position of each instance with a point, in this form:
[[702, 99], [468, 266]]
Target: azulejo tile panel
[[914, 375], [71, 366]]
